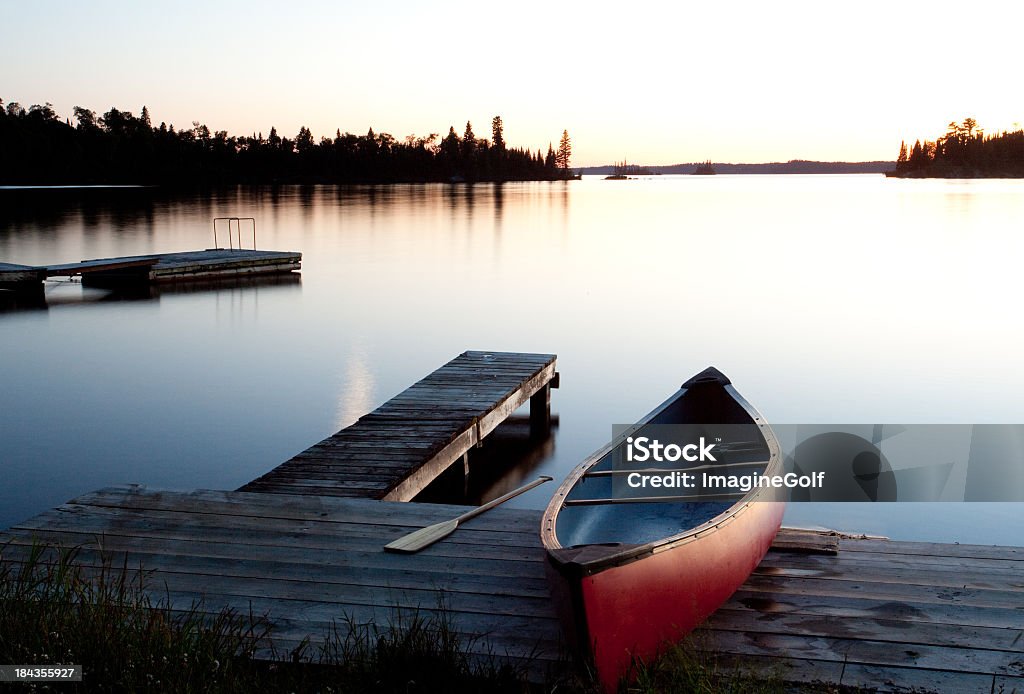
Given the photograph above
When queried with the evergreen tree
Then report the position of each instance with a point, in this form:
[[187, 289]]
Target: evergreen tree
[[468, 141], [917, 156], [564, 153], [497, 134], [304, 140], [450, 145], [40, 147]]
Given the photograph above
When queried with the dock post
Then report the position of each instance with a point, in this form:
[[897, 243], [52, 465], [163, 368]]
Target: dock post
[[540, 412]]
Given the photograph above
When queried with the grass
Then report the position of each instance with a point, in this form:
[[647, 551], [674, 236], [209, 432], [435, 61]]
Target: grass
[[694, 666], [691, 666], [54, 610]]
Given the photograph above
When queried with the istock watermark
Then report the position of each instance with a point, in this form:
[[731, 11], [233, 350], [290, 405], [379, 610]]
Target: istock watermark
[[819, 462]]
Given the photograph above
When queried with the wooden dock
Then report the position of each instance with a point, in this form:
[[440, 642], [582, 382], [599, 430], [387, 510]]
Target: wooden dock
[[395, 451], [896, 616], [885, 615], [306, 561], [14, 276], [890, 616], [159, 267]]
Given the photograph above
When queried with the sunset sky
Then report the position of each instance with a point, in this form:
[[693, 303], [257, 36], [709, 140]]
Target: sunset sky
[[660, 84]]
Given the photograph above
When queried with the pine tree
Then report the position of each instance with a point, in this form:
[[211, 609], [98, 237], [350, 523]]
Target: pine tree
[[304, 140], [450, 144], [497, 133], [564, 153], [468, 141]]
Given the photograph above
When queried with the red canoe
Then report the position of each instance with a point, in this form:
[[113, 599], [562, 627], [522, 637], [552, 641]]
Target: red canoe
[[631, 571]]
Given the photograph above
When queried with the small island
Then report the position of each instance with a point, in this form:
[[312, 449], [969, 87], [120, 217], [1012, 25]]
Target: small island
[[704, 169], [963, 152], [623, 171]]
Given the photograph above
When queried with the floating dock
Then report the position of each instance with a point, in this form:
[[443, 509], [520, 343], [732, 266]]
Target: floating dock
[[160, 267], [394, 452], [14, 276]]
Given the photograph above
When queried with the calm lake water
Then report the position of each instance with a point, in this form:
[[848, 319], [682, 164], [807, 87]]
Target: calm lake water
[[826, 299]]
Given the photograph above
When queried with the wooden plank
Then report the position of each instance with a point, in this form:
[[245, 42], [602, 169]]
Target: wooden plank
[[866, 607], [339, 482], [736, 618], [103, 264], [852, 561], [883, 591], [806, 542], [349, 492], [970, 660], [185, 577], [519, 637], [933, 549], [341, 580], [903, 679], [449, 559], [97, 520], [1002, 580], [294, 506], [13, 275], [1003, 684]]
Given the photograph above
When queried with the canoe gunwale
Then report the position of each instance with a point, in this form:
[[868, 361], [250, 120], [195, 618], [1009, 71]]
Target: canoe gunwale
[[631, 553]]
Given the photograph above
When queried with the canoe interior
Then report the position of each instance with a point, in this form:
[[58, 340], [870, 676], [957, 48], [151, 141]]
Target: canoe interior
[[710, 411]]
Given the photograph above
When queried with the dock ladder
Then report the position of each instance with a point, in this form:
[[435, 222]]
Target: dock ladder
[[234, 229]]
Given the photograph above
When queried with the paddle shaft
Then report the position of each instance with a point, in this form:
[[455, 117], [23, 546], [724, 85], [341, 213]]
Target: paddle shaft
[[503, 498], [424, 537]]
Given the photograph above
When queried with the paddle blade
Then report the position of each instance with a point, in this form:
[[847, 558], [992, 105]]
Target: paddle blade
[[424, 537]]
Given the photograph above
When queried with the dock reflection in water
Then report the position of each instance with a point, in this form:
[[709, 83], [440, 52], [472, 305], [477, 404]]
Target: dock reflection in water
[[62, 293]]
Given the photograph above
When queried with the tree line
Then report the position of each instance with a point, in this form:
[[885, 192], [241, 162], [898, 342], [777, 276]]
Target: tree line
[[38, 147], [963, 152]]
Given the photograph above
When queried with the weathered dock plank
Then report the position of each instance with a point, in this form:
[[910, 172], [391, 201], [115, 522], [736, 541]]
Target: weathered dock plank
[[890, 616], [395, 451], [871, 616], [308, 561], [159, 267], [13, 276], [187, 265], [100, 265]]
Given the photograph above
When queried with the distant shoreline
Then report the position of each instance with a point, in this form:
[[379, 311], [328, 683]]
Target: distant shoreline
[[790, 167]]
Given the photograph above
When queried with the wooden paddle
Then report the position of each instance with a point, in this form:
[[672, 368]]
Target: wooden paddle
[[414, 542]]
